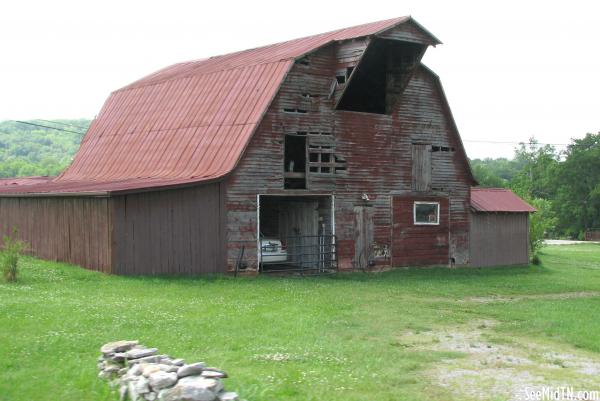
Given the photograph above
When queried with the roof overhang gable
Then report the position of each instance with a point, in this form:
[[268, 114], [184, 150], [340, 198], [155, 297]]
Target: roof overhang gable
[[412, 32]]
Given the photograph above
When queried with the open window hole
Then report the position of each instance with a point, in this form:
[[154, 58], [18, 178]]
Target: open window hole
[[294, 110], [294, 162]]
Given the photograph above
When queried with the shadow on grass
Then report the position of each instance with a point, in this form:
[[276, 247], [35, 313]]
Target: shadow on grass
[[58, 270]]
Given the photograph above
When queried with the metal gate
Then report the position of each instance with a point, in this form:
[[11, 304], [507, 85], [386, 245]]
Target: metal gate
[[304, 254]]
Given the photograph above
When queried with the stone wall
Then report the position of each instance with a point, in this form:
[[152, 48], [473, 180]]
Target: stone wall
[[142, 374]]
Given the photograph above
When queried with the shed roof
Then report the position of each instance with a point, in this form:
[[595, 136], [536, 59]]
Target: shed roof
[[8, 182], [498, 200], [189, 122]]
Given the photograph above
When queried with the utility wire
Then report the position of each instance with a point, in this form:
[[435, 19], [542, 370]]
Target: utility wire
[[56, 122], [45, 126], [516, 143]]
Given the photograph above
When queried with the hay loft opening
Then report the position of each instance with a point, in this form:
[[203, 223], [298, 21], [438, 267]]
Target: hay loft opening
[[381, 76], [294, 162]]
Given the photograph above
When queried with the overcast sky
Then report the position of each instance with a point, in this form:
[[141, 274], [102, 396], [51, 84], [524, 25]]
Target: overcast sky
[[511, 69]]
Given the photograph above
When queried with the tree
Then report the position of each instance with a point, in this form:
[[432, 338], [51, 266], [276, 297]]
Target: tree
[[494, 172], [538, 165], [541, 223], [577, 187]]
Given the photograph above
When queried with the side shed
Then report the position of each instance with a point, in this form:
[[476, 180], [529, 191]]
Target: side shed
[[499, 228]]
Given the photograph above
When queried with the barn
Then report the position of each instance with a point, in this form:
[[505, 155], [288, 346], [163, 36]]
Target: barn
[[333, 151]]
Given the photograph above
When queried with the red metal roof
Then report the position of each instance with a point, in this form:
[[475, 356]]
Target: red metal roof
[[498, 200], [186, 123], [9, 182]]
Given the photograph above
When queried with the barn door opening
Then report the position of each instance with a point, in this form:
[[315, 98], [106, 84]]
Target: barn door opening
[[363, 237], [295, 234]]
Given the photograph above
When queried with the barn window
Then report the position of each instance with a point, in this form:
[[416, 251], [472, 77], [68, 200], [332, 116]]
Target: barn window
[[436, 148], [426, 213], [322, 160], [319, 158], [294, 162]]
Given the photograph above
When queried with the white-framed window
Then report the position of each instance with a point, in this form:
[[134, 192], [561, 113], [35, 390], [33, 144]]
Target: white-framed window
[[426, 213]]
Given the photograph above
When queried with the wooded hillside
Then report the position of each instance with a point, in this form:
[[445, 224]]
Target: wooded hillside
[[27, 150]]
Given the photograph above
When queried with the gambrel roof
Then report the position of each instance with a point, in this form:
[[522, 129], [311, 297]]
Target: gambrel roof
[[192, 121]]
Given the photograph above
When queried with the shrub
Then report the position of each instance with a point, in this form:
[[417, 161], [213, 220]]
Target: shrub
[[9, 259], [540, 224]]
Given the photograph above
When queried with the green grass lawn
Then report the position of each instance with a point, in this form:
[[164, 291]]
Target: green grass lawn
[[336, 338]]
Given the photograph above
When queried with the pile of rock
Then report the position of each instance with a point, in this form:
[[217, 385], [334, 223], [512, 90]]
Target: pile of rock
[[142, 374]]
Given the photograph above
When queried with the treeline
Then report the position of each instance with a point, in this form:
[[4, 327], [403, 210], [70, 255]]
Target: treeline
[[563, 185], [27, 150]]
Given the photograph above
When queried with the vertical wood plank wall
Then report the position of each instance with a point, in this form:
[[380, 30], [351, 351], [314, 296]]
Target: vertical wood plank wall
[[171, 232], [68, 229], [499, 239]]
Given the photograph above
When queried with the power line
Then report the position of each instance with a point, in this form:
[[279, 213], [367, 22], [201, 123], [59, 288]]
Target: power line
[[517, 143], [56, 122], [45, 126]]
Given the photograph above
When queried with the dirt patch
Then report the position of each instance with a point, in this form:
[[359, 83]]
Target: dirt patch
[[485, 370], [516, 298]]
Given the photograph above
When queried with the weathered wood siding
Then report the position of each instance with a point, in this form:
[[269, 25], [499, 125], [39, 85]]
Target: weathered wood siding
[[375, 147], [499, 239], [175, 232], [68, 229], [407, 33]]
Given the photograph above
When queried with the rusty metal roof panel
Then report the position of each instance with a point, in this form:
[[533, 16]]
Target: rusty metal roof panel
[[186, 123], [500, 200], [20, 181], [176, 129]]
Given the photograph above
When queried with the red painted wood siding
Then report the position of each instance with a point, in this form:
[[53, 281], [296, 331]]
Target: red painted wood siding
[[416, 245]]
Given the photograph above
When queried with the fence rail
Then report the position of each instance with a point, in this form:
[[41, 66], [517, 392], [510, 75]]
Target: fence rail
[[304, 254]]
